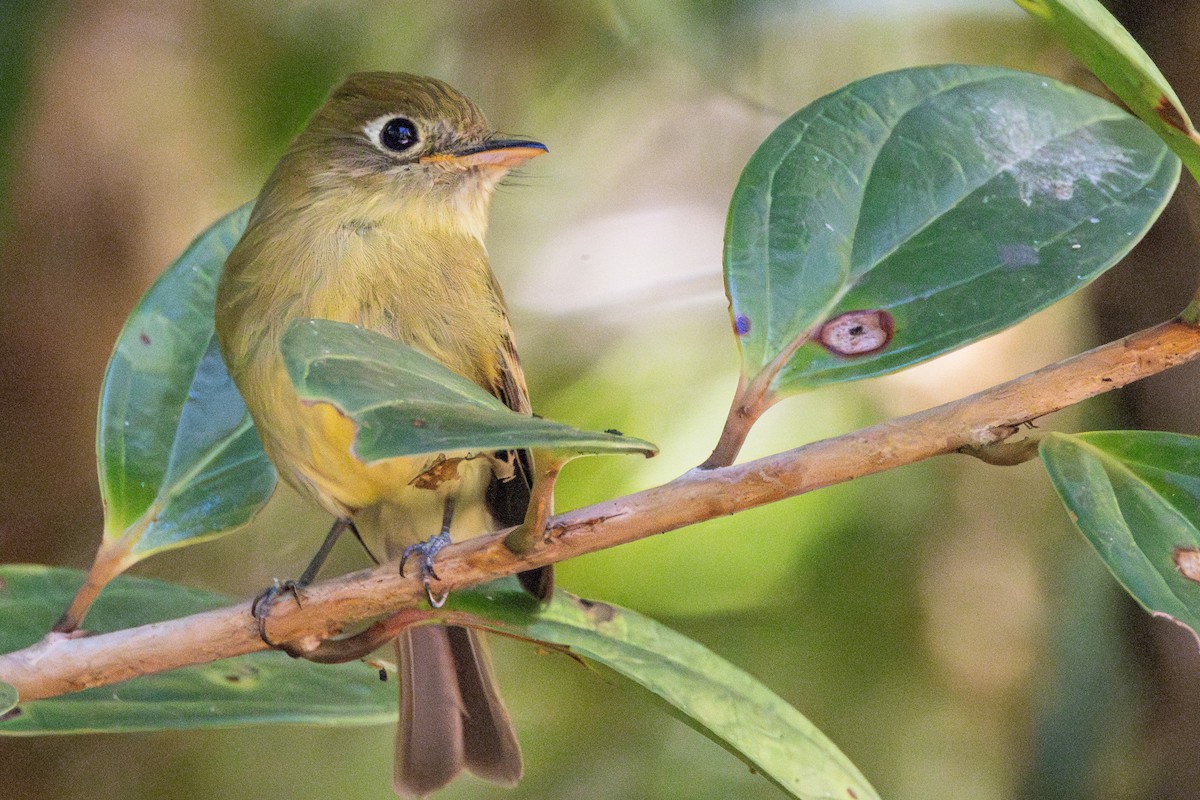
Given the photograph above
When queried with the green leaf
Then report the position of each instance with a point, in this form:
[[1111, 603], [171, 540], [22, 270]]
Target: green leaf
[[8, 697], [946, 203], [707, 692], [1136, 497], [179, 458], [405, 403], [1098, 40], [263, 688]]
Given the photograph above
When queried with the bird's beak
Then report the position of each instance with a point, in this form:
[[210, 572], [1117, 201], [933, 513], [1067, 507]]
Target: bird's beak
[[503, 153]]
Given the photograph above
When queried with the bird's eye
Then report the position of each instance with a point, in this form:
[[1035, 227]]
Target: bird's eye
[[398, 134]]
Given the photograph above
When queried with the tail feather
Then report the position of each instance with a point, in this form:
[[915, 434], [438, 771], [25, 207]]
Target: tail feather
[[490, 745], [451, 715]]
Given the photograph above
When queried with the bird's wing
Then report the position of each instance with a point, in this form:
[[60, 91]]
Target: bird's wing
[[508, 495]]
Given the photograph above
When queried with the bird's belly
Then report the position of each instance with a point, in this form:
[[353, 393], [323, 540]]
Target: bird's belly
[[394, 502], [312, 444], [319, 453]]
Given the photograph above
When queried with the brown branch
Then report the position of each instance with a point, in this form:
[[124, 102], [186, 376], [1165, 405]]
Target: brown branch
[[64, 664]]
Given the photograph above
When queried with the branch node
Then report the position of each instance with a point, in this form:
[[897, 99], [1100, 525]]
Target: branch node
[[1003, 454]]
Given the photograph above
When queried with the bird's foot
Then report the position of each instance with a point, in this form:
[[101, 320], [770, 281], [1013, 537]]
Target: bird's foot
[[426, 551], [261, 607]]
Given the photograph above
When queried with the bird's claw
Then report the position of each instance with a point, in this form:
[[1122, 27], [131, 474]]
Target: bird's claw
[[261, 607], [427, 551], [435, 602]]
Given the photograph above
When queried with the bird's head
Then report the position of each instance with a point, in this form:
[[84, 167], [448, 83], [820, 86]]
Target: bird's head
[[404, 138]]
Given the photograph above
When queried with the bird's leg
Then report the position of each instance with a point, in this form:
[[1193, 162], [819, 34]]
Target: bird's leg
[[261, 607], [427, 550]]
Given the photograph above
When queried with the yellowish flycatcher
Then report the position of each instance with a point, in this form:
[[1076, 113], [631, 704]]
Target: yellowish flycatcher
[[375, 216]]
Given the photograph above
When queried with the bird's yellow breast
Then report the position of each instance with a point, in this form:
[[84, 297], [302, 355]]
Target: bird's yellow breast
[[377, 266]]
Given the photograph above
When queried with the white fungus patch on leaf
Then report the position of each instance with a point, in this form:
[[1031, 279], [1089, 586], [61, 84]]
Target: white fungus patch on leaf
[[1016, 140]]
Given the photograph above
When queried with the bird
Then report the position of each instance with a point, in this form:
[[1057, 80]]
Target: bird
[[375, 215]]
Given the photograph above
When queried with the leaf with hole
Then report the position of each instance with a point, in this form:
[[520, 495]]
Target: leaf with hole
[[913, 212], [405, 403], [1135, 495]]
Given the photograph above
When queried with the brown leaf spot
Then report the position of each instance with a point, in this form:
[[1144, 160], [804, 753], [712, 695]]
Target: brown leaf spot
[[12, 713], [1170, 114], [144, 339], [418, 423], [851, 793], [441, 470], [243, 673], [1187, 561], [857, 333], [599, 612]]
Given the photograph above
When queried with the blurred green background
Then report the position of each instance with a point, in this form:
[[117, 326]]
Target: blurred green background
[[943, 623]]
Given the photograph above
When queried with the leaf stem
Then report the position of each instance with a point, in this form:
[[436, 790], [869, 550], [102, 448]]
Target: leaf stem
[[750, 401], [547, 465], [112, 558]]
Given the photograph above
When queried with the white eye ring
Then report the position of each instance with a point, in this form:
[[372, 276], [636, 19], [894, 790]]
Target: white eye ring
[[373, 130]]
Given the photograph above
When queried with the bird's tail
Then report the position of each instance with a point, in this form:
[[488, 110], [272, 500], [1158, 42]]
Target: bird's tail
[[451, 714]]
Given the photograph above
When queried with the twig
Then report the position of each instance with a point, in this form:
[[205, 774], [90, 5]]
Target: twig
[[61, 664]]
